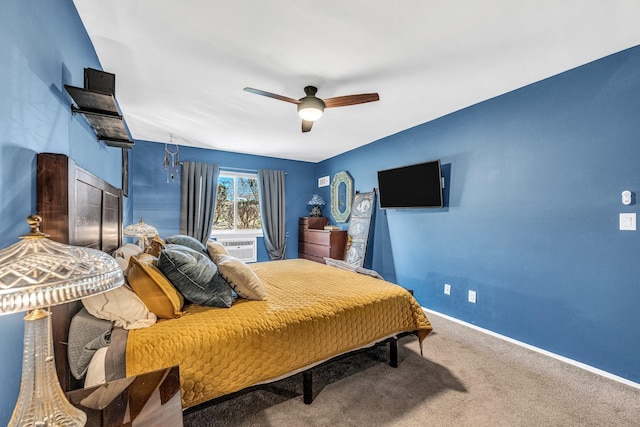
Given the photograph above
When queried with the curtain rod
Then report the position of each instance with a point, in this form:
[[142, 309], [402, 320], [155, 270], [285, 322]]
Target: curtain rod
[[231, 169], [228, 168]]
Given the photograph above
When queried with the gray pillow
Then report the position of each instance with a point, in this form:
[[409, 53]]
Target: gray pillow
[[195, 276], [188, 241]]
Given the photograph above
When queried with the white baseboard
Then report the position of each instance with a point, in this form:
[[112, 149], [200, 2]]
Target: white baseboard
[[539, 350]]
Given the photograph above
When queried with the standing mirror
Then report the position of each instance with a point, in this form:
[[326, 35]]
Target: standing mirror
[[341, 196]]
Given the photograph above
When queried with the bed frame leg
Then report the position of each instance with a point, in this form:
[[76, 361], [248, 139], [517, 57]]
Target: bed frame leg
[[393, 353], [307, 387]]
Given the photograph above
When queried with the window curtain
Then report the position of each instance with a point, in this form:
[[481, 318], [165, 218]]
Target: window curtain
[[271, 195], [199, 188]]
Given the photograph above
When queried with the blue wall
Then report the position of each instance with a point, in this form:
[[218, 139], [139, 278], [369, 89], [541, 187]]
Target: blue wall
[[43, 45], [533, 183], [159, 203]]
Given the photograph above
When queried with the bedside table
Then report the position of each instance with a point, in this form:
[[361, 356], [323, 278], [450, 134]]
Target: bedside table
[[150, 399]]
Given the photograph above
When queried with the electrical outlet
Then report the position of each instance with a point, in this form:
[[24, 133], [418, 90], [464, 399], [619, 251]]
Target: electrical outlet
[[472, 296], [447, 289]]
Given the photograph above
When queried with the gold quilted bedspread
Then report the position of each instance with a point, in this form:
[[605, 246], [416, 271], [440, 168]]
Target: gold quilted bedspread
[[312, 312]]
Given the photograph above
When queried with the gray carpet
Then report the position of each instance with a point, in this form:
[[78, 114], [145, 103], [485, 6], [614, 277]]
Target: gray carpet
[[466, 378]]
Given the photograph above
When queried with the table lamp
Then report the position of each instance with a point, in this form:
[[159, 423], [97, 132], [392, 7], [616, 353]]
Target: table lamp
[[36, 273], [316, 201], [142, 231]]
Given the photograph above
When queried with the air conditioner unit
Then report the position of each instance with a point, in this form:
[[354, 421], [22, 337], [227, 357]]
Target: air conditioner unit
[[243, 248]]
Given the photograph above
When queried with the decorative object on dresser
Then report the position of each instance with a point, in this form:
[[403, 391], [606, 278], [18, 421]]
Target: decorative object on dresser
[[315, 243], [316, 201], [142, 231], [358, 233], [341, 196], [37, 273]]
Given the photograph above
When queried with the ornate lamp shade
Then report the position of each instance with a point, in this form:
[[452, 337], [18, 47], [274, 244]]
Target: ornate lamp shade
[[316, 201], [36, 273], [142, 231]]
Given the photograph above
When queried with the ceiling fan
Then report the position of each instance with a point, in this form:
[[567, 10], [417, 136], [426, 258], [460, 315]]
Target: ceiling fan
[[310, 107]]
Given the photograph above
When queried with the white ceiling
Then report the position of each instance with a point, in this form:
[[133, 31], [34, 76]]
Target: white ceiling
[[181, 66]]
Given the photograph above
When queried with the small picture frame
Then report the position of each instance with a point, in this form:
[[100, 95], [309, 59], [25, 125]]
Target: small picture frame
[[125, 172]]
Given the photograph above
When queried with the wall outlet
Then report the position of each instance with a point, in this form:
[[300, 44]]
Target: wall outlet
[[472, 296], [447, 289]]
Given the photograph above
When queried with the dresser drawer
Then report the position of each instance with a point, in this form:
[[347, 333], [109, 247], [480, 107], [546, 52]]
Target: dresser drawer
[[320, 251], [313, 223], [319, 237]]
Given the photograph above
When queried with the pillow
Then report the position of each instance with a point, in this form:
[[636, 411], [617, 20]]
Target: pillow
[[122, 306], [124, 252], [153, 288], [188, 241], [155, 247], [195, 275], [241, 278], [216, 248]]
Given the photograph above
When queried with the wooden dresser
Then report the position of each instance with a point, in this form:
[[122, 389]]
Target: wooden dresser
[[315, 243]]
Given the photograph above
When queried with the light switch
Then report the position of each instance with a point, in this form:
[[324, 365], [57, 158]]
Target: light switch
[[628, 221]]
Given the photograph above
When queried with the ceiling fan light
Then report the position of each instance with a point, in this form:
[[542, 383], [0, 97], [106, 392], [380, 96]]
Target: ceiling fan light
[[310, 114], [310, 108]]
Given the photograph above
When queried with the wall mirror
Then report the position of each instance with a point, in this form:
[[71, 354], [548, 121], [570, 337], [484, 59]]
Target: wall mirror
[[341, 196]]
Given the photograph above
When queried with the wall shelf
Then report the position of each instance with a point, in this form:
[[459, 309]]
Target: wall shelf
[[102, 113]]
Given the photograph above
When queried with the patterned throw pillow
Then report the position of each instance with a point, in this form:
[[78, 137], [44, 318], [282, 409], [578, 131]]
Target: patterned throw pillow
[[195, 275], [216, 248], [241, 278], [188, 241]]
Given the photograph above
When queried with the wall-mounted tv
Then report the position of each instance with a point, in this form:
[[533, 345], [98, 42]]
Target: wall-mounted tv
[[414, 186]]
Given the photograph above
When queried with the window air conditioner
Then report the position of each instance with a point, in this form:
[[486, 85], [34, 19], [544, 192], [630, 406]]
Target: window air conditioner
[[243, 248]]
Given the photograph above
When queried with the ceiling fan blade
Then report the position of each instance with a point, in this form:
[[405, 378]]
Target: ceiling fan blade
[[306, 125], [271, 95], [343, 101]]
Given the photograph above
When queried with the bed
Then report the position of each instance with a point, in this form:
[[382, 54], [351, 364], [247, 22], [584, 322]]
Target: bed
[[312, 312]]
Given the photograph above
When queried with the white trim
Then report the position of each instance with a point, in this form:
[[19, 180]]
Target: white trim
[[539, 350]]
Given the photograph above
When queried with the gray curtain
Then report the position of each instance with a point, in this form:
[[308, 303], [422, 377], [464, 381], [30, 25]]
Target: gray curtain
[[198, 199], [271, 194]]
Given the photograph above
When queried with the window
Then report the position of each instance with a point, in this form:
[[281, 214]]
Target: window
[[237, 205]]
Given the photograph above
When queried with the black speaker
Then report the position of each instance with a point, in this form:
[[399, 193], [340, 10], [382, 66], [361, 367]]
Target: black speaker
[[99, 81]]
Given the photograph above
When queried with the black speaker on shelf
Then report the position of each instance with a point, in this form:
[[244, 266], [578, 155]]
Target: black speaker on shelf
[[100, 81]]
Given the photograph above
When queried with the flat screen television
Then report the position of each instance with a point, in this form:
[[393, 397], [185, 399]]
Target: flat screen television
[[414, 186]]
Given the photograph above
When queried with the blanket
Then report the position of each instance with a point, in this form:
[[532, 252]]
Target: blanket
[[86, 335], [312, 312]]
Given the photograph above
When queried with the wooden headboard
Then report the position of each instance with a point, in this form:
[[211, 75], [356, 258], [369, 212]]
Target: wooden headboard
[[80, 209]]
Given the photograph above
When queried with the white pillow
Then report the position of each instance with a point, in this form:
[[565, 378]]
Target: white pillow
[[96, 374], [122, 306], [124, 252], [241, 278]]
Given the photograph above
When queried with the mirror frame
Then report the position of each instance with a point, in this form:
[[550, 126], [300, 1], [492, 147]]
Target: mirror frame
[[341, 178]]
